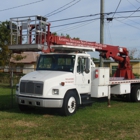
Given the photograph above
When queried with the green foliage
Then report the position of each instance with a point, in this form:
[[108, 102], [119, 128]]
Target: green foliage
[[55, 34], [76, 38], [134, 53], [18, 57], [136, 75], [67, 36], [5, 53], [95, 59], [62, 34], [4, 42]]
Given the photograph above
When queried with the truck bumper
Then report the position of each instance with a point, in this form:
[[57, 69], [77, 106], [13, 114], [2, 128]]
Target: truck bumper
[[39, 102]]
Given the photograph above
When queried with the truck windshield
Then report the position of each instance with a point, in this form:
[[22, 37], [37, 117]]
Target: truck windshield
[[56, 62]]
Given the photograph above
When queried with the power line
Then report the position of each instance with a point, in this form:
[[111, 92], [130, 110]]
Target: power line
[[90, 20], [77, 26], [109, 13], [117, 8], [21, 5], [109, 33], [134, 21], [74, 18], [74, 27], [125, 11], [124, 17], [132, 17], [74, 23], [59, 8], [131, 3], [63, 9], [133, 13], [138, 1], [129, 25]]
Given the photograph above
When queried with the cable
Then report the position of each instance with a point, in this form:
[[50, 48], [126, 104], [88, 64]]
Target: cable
[[74, 27], [59, 8], [73, 23], [64, 9], [87, 21], [132, 14], [109, 33], [129, 25], [134, 6], [138, 1], [93, 15], [73, 18], [131, 17], [134, 21], [116, 8], [21, 5], [78, 26], [125, 17], [131, 3]]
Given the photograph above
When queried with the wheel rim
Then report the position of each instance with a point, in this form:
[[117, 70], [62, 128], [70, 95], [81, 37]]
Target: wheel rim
[[138, 95], [71, 104]]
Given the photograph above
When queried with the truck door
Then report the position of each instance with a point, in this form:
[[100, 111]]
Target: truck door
[[83, 78]]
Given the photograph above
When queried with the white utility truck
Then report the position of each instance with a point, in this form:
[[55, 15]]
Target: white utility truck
[[66, 76]]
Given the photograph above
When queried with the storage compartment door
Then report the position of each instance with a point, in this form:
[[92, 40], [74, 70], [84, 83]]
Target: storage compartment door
[[119, 89], [99, 91]]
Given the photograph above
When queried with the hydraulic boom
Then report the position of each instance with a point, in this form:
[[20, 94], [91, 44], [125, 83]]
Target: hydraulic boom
[[40, 39]]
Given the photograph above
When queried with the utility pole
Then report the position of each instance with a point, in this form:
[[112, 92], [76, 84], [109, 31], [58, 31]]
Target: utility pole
[[101, 27]]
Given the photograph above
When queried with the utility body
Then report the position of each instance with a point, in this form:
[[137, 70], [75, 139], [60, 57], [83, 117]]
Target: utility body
[[66, 76]]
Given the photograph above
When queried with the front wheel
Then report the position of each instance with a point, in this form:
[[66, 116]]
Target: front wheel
[[69, 104], [135, 93]]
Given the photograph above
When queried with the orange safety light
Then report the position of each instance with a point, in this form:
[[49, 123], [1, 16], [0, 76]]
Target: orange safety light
[[62, 83], [96, 73]]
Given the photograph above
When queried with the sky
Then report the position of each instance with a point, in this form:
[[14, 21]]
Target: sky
[[123, 30]]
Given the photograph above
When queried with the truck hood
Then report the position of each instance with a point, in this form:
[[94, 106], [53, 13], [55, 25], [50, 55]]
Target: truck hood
[[46, 75]]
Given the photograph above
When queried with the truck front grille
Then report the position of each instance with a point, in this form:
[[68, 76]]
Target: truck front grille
[[31, 87]]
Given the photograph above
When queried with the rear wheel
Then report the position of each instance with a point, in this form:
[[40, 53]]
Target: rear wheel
[[69, 104], [135, 93]]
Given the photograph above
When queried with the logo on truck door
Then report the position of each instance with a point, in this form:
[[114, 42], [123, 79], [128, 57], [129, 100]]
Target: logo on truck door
[[69, 80]]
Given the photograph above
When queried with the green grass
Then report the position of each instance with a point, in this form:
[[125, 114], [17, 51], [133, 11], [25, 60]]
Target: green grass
[[97, 122], [6, 97]]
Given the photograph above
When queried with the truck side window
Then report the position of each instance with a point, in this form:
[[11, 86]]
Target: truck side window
[[81, 65]]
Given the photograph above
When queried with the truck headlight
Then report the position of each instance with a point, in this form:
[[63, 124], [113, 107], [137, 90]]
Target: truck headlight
[[55, 91]]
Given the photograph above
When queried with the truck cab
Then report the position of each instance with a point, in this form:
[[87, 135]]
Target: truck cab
[[61, 80]]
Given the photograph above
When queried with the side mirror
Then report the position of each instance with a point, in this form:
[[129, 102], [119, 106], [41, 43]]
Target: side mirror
[[87, 65]]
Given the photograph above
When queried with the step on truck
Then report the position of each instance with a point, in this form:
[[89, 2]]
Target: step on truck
[[65, 75]]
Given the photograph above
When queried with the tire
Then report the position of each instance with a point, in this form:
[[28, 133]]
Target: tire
[[70, 104], [135, 93]]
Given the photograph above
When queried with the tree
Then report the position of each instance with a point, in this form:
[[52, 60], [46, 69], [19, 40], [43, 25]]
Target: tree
[[134, 53], [4, 42], [5, 53], [67, 35]]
